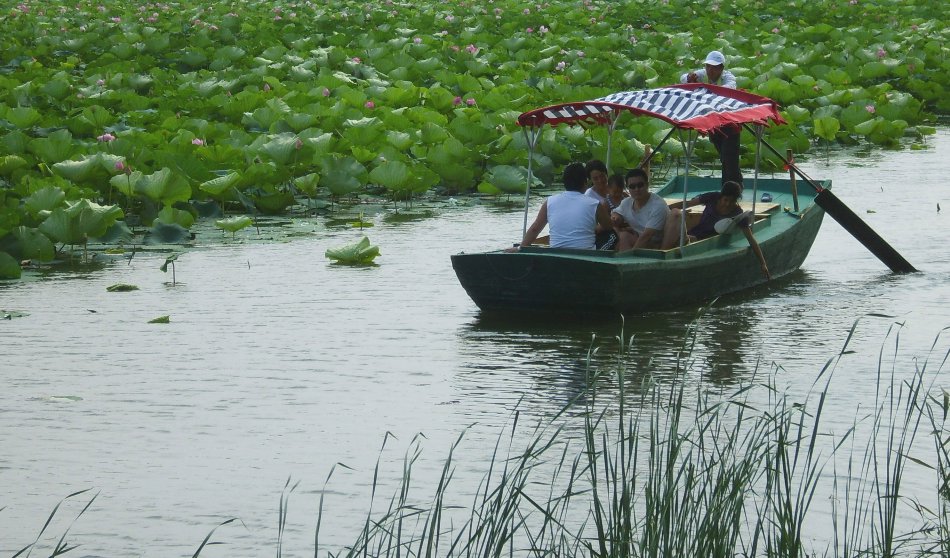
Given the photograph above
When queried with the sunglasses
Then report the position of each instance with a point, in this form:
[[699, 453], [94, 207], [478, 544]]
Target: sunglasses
[[636, 185]]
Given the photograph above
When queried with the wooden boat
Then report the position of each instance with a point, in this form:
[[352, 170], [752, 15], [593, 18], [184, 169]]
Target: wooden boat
[[539, 278], [546, 279]]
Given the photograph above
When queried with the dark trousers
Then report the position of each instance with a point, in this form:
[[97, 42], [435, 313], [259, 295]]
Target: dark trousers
[[726, 140]]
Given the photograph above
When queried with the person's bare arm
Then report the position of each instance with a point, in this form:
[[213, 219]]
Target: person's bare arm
[[535, 229], [758, 252], [644, 239], [604, 218]]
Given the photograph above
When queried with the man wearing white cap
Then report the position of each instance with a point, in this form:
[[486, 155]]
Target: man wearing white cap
[[726, 138]]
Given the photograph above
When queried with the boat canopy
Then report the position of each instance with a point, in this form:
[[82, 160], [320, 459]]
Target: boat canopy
[[690, 106]]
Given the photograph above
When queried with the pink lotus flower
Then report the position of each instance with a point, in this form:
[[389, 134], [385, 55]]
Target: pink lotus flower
[[529, 30], [775, 30], [106, 137], [326, 92], [450, 18], [580, 54], [472, 49], [561, 65], [100, 82], [543, 29], [356, 59], [417, 40], [457, 101], [197, 141], [881, 53], [870, 109], [370, 105], [298, 144], [117, 20], [470, 102], [526, 11], [266, 87], [120, 166]]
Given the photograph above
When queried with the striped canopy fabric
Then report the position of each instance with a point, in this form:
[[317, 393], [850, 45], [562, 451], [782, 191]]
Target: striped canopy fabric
[[692, 106]]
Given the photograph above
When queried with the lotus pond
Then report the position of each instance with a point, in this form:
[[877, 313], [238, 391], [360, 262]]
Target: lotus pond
[[123, 122], [276, 363]]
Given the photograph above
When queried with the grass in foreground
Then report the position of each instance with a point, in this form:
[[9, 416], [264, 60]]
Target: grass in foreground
[[673, 469]]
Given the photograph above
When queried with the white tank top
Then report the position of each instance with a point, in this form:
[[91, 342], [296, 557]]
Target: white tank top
[[572, 217]]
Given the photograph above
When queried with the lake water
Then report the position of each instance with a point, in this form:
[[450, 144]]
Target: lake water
[[277, 364]]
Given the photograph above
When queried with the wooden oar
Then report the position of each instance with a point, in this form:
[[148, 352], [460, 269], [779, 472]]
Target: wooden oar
[[850, 221]]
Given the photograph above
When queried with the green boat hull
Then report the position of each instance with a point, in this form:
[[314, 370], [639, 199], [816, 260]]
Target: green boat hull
[[571, 281]]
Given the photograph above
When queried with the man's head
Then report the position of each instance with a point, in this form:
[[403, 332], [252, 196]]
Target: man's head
[[638, 184], [575, 177], [597, 173], [715, 63]]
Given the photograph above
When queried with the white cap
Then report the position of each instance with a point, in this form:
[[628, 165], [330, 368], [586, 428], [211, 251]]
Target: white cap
[[715, 58]]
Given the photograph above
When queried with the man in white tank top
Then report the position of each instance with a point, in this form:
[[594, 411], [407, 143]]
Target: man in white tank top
[[571, 216]]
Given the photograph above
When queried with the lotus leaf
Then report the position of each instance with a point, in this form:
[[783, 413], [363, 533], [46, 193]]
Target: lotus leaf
[[80, 221], [163, 186], [95, 168], [22, 117], [44, 199], [9, 267], [27, 243], [54, 148], [11, 163], [170, 259], [234, 224], [509, 179], [282, 149], [363, 132], [160, 320], [827, 127], [360, 252], [307, 183], [121, 288], [342, 175], [393, 175], [170, 215]]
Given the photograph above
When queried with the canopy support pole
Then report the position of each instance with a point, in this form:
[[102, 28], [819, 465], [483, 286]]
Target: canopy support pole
[[531, 135], [849, 220], [758, 161], [610, 135], [688, 146]]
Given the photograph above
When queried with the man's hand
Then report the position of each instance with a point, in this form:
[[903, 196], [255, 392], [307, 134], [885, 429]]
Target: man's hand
[[618, 221], [692, 77]]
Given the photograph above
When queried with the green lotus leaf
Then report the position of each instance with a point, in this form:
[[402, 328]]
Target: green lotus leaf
[[95, 168], [80, 221], [359, 252], [508, 179], [307, 183], [363, 131], [169, 214], [234, 224], [283, 148], [274, 203], [393, 175], [164, 186], [399, 140], [15, 142], [9, 267], [221, 184], [168, 260], [160, 320], [58, 88], [44, 199], [869, 127], [54, 148], [432, 133], [23, 117], [119, 232], [27, 243], [342, 175], [827, 127], [166, 233], [11, 163]]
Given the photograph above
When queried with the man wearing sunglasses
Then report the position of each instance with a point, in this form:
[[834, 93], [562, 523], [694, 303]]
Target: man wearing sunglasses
[[641, 218]]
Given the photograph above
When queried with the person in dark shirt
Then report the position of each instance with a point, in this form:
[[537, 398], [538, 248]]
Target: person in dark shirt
[[720, 205]]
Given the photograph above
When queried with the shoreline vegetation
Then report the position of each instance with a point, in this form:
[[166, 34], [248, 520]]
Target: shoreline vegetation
[[667, 466], [124, 123]]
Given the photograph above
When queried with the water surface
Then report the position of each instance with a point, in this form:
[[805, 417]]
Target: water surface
[[277, 364]]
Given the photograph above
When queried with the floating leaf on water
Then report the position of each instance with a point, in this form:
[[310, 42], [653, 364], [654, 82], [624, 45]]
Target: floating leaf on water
[[233, 224], [159, 320], [360, 252], [168, 260], [121, 288]]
